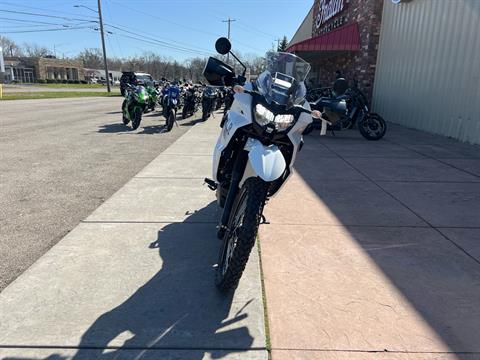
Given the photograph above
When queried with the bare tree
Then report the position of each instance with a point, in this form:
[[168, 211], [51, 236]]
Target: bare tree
[[92, 58], [10, 48], [35, 50]]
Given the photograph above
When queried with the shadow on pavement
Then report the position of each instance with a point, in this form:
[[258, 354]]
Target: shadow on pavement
[[152, 129], [436, 277], [114, 128], [179, 308], [191, 122]]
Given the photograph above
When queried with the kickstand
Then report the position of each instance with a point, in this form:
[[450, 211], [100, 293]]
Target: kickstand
[[264, 220]]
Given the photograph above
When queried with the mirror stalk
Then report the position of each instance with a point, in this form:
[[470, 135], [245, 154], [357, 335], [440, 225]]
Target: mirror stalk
[[241, 63]]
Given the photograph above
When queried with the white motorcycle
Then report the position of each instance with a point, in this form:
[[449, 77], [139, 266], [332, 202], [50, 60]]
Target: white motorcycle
[[254, 155]]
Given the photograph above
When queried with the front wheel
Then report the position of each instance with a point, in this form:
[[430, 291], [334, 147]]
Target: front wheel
[[137, 118], [170, 120], [242, 231], [125, 118], [372, 127]]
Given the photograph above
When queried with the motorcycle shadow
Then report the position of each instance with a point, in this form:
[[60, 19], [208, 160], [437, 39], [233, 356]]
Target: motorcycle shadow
[[114, 128], [153, 129], [192, 122], [179, 308]]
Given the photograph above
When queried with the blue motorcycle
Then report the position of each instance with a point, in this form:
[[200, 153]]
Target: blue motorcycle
[[170, 105]]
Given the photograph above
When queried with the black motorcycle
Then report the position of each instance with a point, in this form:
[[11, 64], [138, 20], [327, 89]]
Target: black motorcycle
[[220, 98], [189, 103], [229, 97], [345, 108], [209, 101]]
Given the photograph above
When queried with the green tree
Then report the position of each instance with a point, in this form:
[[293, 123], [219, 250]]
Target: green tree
[[283, 44]]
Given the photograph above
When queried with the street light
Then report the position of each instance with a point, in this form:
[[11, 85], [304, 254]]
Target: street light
[[99, 12], [86, 7]]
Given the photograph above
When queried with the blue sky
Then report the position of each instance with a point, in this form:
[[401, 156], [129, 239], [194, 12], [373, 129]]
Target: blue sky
[[177, 29]]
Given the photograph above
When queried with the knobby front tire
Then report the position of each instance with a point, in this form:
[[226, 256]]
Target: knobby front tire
[[240, 238]]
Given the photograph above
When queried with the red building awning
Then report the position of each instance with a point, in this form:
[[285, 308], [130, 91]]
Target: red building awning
[[345, 38]]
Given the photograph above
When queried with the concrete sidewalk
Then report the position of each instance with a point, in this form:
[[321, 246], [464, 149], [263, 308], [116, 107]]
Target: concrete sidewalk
[[373, 251], [135, 279]]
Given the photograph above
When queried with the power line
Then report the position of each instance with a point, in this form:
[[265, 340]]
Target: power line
[[43, 15], [42, 9], [115, 38], [159, 42], [30, 21], [154, 39], [44, 30], [196, 30]]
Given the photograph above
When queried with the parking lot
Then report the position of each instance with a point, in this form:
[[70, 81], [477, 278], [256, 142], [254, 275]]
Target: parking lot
[[60, 159]]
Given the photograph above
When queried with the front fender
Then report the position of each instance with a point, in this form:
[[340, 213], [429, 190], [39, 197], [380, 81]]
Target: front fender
[[267, 162]]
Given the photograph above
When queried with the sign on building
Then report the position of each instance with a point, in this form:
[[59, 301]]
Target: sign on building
[[328, 9]]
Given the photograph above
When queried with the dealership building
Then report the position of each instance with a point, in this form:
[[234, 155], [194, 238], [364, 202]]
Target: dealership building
[[32, 69], [417, 60]]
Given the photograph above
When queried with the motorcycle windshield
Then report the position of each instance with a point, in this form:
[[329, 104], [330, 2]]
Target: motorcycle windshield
[[141, 93], [283, 80]]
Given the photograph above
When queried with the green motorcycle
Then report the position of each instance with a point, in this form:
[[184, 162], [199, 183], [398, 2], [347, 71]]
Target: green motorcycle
[[134, 105], [153, 96]]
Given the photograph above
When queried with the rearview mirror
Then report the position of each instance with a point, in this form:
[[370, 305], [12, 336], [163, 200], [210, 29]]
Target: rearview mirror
[[218, 73], [223, 46], [340, 86]]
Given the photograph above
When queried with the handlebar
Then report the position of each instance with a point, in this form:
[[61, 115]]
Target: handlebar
[[315, 113]]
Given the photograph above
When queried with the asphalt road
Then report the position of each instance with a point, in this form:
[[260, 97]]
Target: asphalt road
[[59, 160]]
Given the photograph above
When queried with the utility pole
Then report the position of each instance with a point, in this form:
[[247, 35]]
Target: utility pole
[[103, 45], [229, 21], [278, 43]]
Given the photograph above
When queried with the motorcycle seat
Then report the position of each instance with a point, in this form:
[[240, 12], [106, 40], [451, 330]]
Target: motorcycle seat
[[335, 105]]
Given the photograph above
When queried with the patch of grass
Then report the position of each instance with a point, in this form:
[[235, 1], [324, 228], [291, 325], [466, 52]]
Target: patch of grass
[[55, 94], [268, 343], [73, 86]]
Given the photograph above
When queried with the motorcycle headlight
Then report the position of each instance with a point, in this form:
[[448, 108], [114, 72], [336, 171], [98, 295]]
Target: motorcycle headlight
[[263, 117]]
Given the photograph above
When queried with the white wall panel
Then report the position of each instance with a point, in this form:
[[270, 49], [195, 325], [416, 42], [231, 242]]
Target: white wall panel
[[428, 68]]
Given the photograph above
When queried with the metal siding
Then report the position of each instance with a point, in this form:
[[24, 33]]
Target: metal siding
[[304, 32], [428, 67]]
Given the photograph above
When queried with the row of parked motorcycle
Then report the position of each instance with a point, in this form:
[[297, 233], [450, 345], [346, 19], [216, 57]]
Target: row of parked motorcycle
[[173, 98]]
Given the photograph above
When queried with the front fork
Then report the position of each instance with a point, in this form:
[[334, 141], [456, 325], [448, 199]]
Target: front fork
[[237, 174]]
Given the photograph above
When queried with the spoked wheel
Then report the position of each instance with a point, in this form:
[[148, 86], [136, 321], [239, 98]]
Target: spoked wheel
[[242, 231], [170, 120], [137, 118], [372, 127], [125, 119]]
